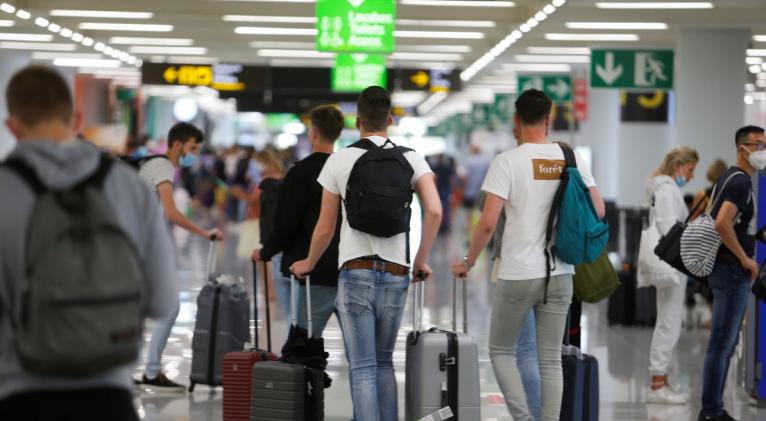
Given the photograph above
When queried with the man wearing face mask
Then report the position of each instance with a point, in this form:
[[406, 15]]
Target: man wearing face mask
[[734, 211], [183, 146]]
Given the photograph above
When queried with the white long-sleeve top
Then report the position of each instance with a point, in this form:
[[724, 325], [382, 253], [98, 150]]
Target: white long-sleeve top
[[669, 206]]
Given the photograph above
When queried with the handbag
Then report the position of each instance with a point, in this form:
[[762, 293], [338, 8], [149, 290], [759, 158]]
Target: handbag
[[669, 247], [700, 240], [651, 269], [596, 280]]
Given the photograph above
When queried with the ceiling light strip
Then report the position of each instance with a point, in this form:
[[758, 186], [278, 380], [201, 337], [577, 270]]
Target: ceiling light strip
[[506, 42], [41, 41], [639, 26], [655, 5]]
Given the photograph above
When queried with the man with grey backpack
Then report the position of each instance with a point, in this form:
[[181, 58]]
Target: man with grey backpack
[[733, 210], [85, 258]]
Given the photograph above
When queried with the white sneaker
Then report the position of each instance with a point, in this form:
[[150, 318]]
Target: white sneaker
[[666, 395]]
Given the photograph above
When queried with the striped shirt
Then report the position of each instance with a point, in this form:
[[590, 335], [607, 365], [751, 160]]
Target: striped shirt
[[157, 171]]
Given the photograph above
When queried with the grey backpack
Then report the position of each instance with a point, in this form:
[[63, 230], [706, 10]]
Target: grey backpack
[[81, 300]]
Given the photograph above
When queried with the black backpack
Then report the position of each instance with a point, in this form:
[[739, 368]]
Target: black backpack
[[138, 162], [379, 191]]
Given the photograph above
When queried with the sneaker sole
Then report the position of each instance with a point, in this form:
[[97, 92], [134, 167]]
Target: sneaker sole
[[148, 388]]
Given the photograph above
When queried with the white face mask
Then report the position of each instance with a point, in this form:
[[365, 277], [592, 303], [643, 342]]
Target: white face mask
[[757, 159]]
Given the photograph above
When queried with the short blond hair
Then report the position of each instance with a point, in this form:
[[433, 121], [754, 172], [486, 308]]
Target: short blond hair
[[680, 155]]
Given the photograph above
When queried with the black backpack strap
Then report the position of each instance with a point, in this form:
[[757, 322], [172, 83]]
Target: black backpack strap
[[365, 144], [97, 178], [550, 262], [26, 173]]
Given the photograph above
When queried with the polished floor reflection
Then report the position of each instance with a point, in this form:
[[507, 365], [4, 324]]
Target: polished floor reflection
[[622, 352]]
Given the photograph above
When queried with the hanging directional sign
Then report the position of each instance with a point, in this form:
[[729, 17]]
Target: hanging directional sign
[[428, 80], [631, 69], [557, 87], [355, 72], [363, 26]]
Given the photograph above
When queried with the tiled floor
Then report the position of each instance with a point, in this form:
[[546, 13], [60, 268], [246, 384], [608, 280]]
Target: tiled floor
[[622, 353]]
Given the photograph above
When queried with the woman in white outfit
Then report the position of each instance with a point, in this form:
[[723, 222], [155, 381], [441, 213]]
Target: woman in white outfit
[[664, 193]]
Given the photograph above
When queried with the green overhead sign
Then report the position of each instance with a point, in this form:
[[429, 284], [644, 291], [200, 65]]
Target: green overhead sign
[[355, 72], [362, 26], [631, 69], [557, 87]]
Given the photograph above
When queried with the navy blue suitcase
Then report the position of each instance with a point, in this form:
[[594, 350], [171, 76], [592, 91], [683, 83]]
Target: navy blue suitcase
[[580, 400]]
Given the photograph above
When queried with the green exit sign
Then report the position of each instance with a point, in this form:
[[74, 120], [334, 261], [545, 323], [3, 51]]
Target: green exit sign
[[355, 72], [363, 26]]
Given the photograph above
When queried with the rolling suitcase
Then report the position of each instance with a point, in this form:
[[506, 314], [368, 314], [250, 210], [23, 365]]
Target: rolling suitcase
[[622, 304], [580, 400], [288, 391], [238, 365], [221, 326], [442, 367]]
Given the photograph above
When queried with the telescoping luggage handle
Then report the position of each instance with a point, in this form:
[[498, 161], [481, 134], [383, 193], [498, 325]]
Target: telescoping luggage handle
[[294, 304], [419, 303], [266, 299], [212, 257]]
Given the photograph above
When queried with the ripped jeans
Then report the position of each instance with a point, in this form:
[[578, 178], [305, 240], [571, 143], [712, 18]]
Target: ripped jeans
[[370, 304]]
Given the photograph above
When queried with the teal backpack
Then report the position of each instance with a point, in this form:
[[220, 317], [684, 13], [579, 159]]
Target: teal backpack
[[580, 235]]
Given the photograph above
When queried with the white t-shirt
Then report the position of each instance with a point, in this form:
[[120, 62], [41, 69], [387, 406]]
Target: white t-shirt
[[157, 171], [527, 178], [353, 243]]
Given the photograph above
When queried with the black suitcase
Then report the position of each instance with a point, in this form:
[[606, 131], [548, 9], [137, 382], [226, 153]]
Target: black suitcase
[[646, 306], [284, 391], [621, 307], [580, 400]]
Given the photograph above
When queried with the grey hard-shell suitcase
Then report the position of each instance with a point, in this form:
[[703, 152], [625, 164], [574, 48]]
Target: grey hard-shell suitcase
[[442, 367], [284, 391], [222, 325]]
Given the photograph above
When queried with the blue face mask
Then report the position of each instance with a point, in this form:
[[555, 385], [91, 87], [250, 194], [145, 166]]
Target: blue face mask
[[680, 181], [188, 160]]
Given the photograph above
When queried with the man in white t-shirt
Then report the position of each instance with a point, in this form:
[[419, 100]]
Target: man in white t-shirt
[[184, 140], [524, 181], [374, 277]]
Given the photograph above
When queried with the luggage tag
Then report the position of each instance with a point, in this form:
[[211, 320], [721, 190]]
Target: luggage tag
[[440, 415]]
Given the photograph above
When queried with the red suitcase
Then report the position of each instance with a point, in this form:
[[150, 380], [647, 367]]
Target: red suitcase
[[238, 366]]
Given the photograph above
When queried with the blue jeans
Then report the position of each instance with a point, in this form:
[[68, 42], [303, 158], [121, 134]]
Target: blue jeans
[[528, 365], [282, 285], [370, 304], [730, 284], [160, 334], [322, 307]]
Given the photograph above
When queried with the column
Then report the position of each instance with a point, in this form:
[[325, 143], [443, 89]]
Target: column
[[710, 86], [601, 132], [10, 62]]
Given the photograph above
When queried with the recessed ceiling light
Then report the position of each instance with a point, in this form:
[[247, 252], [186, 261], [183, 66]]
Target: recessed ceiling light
[[55, 28], [100, 46], [550, 58], [549, 9], [192, 60], [448, 23], [88, 42], [617, 25], [11, 45], [176, 42], [257, 30], [559, 50], [755, 68], [133, 27], [426, 56], [7, 8], [753, 60], [439, 34], [458, 3], [592, 37], [23, 14], [536, 67], [77, 37], [66, 33], [75, 62], [26, 37], [655, 5], [101, 14], [49, 55], [270, 19], [755, 52], [294, 53], [192, 51], [42, 22]]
